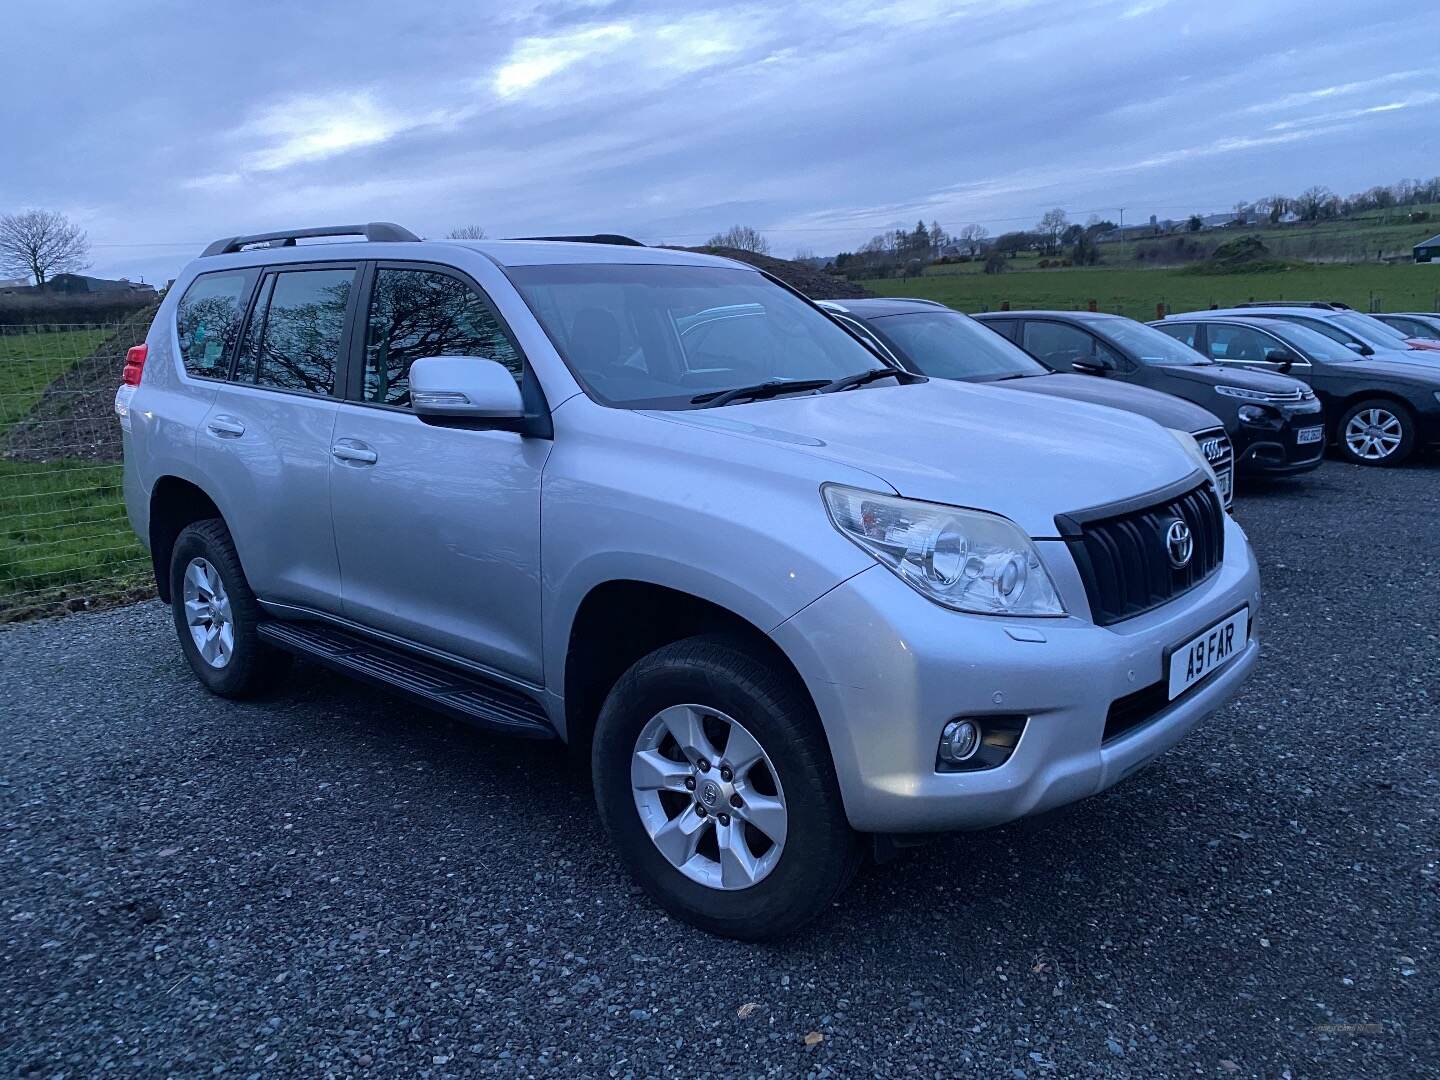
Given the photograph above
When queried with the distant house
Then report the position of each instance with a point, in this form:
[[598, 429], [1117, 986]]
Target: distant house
[[1429, 251], [82, 283]]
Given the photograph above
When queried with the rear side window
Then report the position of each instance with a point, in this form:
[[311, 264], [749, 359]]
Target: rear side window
[[1184, 333], [420, 313], [207, 321], [297, 333]]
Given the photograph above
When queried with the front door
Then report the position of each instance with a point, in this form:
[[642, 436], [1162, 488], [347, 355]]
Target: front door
[[437, 528]]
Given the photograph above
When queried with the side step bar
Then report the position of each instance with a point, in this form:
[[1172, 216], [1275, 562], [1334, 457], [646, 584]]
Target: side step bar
[[461, 694]]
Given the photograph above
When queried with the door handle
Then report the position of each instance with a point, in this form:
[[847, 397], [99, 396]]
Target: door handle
[[354, 451], [225, 427]]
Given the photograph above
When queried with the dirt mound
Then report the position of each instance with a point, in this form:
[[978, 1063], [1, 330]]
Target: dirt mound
[[816, 284], [1243, 255], [75, 416]]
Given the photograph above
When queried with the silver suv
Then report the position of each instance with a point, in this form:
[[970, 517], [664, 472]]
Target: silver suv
[[785, 598]]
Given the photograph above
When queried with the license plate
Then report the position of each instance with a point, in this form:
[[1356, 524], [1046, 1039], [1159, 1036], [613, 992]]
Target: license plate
[[1309, 435], [1226, 479], [1207, 651]]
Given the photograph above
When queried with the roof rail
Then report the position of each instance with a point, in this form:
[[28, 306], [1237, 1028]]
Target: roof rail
[[1329, 305], [371, 230], [595, 238]]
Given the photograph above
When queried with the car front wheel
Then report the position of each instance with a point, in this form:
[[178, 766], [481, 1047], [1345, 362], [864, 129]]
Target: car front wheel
[[1376, 432], [715, 784]]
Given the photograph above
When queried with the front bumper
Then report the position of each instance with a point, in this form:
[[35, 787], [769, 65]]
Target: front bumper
[[1274, 449], [888, 669]]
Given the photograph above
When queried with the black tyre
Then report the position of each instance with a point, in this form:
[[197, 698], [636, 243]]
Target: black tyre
[[216, 614], [715, 784], [1376, 432]]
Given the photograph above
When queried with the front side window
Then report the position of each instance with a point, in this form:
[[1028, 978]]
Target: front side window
[[1181, 332], [1240, 344], [208, 321], [658, 336], [948, 345], [1314, 344], [300, 330], [1321, 326], [419, 313], [1058, 345]]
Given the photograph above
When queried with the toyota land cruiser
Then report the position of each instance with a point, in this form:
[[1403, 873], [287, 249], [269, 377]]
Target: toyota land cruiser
[[659, 506]]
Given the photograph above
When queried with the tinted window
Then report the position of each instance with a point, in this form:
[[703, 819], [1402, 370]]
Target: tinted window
[[949, 345], [1058, 345], [419, 313], [1239, 343], [302, 327], [1314, 344], [1334, 333], [1182, 332], [655, 336], [208, 321]]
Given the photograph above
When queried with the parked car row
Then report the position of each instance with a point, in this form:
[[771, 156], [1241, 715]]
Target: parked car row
[[1273, 384], [788, 597]]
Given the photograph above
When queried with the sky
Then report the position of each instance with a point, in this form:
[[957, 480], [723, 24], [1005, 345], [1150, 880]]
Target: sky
[[160, 126]]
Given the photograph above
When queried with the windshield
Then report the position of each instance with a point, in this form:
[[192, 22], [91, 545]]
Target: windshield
[[949, 345], [1314, 344], [655, 337], [1149, 345], [1371, 331]]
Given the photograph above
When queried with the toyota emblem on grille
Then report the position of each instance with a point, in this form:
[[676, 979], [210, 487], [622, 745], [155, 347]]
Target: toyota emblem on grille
[[1179, 544]]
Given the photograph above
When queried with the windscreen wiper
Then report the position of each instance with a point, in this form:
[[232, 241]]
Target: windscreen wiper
[[860, 378], [756, 391]]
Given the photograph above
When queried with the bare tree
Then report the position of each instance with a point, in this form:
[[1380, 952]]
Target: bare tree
[[1312, 203], [973, 236], [42, 243], [1052, 225], [741, 238], [466, 232]]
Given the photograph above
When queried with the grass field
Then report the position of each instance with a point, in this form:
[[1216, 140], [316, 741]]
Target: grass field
[[64, 538], [1135, 292]]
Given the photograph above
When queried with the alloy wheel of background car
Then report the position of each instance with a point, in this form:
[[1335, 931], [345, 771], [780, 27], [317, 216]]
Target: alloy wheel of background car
[[1376, 433], [207, 611], [709, 796]]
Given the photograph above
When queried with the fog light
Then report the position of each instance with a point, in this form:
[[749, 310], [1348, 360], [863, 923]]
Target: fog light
[[959, 741], [1252, 414]]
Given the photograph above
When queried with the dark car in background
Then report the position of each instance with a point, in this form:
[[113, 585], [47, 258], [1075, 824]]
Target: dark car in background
[[1423, 325], [931, 339], [1379, 411], [1274, 422]]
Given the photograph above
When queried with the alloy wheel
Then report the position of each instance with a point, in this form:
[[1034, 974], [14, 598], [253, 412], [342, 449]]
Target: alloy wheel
[[709, 797], [207, 613], [1374, 434]]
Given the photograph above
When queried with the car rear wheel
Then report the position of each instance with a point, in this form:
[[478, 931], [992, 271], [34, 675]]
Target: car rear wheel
[[715, 784], [216, 614], [1376, 432]]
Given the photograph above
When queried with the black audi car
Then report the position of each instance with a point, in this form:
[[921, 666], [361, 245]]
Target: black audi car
[[932, 339], [1380, 411], [1275, 422]]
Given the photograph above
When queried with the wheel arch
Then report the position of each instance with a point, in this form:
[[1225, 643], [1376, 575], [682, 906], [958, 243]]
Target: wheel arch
[[621, 620], [174, 504]]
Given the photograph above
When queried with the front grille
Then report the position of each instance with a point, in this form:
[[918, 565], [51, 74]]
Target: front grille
[[1220, 453], [1124, 555]]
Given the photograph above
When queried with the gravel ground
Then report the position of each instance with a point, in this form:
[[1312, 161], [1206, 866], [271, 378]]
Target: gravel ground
[[331, 883]]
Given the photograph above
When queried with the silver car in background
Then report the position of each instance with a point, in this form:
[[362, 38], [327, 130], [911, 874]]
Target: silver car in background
[[784, 597]]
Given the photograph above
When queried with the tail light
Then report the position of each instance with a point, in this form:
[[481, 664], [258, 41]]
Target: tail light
[[134, 364]]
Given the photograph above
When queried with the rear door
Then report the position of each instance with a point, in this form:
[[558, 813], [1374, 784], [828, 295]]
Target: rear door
[[437, 527], [265, 443]]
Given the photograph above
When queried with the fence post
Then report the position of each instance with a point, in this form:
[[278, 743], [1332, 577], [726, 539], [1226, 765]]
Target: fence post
[[1160, 310], [1004, 305], [1090, 305]]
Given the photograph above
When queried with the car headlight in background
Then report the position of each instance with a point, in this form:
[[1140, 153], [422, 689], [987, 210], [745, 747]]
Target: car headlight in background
[[1243, 393], [1191, 447], [965, 560], [1253, 414]]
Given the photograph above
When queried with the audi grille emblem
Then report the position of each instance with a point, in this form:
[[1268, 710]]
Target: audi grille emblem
[[1179, 544], [1211, 449]]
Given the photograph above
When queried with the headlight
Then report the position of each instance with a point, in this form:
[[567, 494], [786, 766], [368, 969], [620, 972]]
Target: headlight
[[1191, 447], [1437, 395], [965, 560], [1243, 394]]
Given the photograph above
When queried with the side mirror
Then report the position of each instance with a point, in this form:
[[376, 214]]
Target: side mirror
[[464, 388], [1363, 350], [1280, 358], [1094, 365]]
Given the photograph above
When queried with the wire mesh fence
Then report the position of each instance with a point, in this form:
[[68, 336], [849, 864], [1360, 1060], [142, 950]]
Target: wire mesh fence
[[65, 543]]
